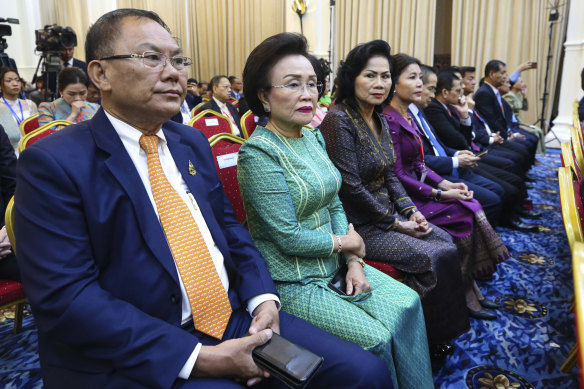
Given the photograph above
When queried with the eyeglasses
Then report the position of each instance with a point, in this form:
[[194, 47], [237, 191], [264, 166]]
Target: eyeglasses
[[314, 88], [154, 60]]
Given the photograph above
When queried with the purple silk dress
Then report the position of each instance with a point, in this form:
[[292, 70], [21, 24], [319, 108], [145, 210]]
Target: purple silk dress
[[479, 246]]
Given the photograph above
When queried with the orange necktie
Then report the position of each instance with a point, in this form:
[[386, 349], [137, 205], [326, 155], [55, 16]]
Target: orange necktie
[[227, 113], [209, 302]]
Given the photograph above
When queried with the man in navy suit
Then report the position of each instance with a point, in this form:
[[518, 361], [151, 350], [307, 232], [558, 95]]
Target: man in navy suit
[[443, 115], [69, 61], [219, 102], [110, 305]]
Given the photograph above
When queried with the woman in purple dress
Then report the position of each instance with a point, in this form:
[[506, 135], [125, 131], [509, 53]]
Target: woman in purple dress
[[446, 204]]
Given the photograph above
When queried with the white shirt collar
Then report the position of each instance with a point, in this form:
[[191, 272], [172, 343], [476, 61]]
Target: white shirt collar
[[414, 108], [493, 88], [220, 104], [130, 136]]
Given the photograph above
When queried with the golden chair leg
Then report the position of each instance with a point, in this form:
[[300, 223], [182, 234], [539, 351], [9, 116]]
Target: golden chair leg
[[567, 366], [18, 313]]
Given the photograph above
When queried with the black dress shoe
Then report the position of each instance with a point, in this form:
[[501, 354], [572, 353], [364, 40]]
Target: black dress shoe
[[518, 225], [483, 314], [487, 303], [522, 212], [529, 178], [439, 351], [486, 278]]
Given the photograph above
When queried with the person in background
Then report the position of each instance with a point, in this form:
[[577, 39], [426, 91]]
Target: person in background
[[290, 191], [220, 102], [72, 105], [68, 60], [517, 99], [449, 205], [93, 94], [38, 95], [321, 75], [13, 110], [192, 97], [236, 87], [8, 264]]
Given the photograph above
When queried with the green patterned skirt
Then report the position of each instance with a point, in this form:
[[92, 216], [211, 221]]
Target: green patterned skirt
[[388, 321]]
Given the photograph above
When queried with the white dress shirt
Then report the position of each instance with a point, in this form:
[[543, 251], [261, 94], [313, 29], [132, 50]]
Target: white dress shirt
[[130, 138], [225, 111]]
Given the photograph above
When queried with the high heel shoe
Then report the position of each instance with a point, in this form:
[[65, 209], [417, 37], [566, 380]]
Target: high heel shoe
[[487, 303], [483, 314]]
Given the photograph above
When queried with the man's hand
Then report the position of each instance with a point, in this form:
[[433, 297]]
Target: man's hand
[[526, 66], [497, 138], [356, 280], [468, 161], [462, 107], [265, 315], [5, 247], [232, 359]]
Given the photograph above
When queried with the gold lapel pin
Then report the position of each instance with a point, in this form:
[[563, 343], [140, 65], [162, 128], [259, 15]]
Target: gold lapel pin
[[192, 170]]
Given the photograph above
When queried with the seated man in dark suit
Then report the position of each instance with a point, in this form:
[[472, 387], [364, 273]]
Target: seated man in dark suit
[[192, 97], [488, 183], [489, 105], [219, 101], [132, 259]]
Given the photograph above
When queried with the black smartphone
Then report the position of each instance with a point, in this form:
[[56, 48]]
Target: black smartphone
[[339, 281]]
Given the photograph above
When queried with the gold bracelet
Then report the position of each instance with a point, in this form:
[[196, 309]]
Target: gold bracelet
[[340, 243], [356, 259]]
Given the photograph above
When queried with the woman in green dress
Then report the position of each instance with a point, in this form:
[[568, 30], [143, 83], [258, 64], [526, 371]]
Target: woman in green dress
[[290, 191]]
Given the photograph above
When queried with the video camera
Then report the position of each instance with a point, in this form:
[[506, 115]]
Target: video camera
[[55, 38], [6, 30]]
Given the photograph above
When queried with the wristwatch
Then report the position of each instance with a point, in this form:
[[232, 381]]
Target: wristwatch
[[356, 259]]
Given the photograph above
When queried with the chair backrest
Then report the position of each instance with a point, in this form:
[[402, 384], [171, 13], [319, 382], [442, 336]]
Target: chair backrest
[[568, 204], [196, 109], [225, 148], [29, 124], [578, 274], [568, 159], [41, 132], [233, 101], [248, 122], [577, 147], [9, 223], [212, 123]]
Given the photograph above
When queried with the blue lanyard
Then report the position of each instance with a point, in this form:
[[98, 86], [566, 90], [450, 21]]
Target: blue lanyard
[[14, 113]]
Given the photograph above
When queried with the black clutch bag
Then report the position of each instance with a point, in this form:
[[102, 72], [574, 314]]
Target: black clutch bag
[[286, 361]]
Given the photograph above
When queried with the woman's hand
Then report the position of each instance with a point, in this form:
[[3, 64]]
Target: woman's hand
[[457, 194], [353, 242], [356, 280], [413, 228], [76, 108], [447, 185]]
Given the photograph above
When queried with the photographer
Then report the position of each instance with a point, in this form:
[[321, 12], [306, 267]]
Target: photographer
[[72, 105]]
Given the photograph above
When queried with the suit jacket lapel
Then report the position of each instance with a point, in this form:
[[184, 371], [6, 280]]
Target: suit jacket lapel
[[121, 166]]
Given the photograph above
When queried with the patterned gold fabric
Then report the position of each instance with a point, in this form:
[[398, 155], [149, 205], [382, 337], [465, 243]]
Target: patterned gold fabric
[[209, 302]]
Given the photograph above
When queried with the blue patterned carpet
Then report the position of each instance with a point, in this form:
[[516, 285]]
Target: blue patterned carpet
[[523, 348]]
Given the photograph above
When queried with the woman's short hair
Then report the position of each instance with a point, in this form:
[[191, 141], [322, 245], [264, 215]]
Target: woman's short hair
[[353, 65], [70, 76], [256, 74], [400, 63]]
